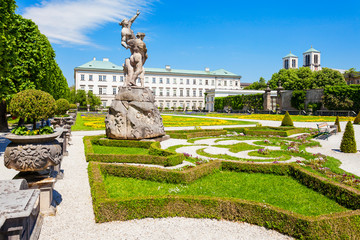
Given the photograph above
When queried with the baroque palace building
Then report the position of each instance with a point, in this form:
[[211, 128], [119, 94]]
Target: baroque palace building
[[172, 88]]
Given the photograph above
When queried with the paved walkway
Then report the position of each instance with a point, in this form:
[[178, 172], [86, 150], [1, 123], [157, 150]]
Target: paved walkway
[[75, 218]]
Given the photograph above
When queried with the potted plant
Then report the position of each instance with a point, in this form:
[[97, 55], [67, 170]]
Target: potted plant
[[37, 148]]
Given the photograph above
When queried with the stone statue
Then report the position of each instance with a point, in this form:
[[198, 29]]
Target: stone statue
[[133, 114], [133, 67]]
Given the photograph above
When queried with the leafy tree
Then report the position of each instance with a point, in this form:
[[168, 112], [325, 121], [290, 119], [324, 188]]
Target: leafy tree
[[93, 100], [350, 74], [34, 65], [260, 85], [348, 143], [80, 97], [298, 99], [303, 78], [7, 57], [32, 104], [72, 95], [327, 77], [62, 106]]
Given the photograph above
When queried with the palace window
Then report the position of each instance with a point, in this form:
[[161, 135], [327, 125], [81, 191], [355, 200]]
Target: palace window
[[104, 78], [188, 92], [114, 78], [316, 59], [168, 81], [194, 81], [174, 92], [187, 81], [181, 81], [168, 92], [121, 79], [293, 63], [174, 80], [160, 80], [161, 92], [90, 77], [200, 81], [82, 77], [114, 90], [212, 82], [154, 80], [200, 93], [181, 92], [206, 82], [194, 93], [100, 78]]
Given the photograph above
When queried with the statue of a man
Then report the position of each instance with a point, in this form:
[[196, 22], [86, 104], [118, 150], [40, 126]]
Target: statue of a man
[[126, 32]]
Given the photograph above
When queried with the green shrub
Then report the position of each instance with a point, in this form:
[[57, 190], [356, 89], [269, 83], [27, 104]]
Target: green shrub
[[348, 143], [62, 106], [238, 102], [298, 99], [72, 106], [32, 104], [337, 123], [287, 120], [187, 134], [357, 119], [342, 97]]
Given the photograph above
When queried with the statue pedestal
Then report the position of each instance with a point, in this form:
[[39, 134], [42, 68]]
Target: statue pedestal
[[133, 115], [45, 183]]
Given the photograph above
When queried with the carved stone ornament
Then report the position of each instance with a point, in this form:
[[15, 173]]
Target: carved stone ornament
[[133, 115], [32, 157]]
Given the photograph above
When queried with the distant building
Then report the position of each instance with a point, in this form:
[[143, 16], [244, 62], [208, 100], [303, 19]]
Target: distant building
[[311, 59], [353, 78], [171, 87], [290, 61], [244, 85]]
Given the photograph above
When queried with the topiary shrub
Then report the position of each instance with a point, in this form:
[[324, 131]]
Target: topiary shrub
[[62, 106], [357, 119], [337, 123], [348, 143], [73, 106], [32, 104], [287, 120]]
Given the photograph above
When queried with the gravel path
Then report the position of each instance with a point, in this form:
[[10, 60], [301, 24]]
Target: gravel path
[[75, 218]]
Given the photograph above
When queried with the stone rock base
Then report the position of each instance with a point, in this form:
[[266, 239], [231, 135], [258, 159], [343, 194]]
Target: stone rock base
[[133, 115]]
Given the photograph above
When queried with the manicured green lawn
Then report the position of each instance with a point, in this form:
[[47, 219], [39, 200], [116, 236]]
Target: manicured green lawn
[[238, 147], [272, 154], [280, 191], [119, 150]]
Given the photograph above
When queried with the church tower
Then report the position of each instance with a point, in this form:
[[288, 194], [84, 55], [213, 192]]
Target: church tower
[[312, 59], [290, 61]]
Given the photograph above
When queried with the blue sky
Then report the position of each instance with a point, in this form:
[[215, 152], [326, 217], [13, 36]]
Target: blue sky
[[248, 38]]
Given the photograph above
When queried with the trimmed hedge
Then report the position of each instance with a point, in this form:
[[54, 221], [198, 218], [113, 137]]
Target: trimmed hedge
[[187, 134], [343, 225], [357, 119], [337, 123], [156, 155], [238, 102], [348, 143], [266, 131], [287, 121]]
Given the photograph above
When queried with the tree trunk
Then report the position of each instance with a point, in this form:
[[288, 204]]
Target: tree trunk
[[3, 118]]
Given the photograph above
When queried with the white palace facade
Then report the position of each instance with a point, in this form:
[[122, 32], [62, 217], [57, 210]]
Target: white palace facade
[[172, 88]]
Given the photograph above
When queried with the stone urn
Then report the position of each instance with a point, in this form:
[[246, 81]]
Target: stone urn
[[33, 153]]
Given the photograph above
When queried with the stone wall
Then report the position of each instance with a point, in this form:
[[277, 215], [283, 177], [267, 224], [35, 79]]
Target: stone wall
[[313, 95]]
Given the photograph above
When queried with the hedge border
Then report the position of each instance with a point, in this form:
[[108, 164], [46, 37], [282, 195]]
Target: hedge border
[[156, 155], [332, 226], [187, 134], [278, 131]]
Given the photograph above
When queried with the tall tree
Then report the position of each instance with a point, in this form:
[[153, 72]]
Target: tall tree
[[7, 43], [350, 74], [303, 78], [259, 85], [34, 66]]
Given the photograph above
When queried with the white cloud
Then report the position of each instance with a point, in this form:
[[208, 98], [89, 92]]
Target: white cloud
[[69, 21]]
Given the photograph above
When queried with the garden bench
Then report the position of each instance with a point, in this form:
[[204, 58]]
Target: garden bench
[[326, 130]]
